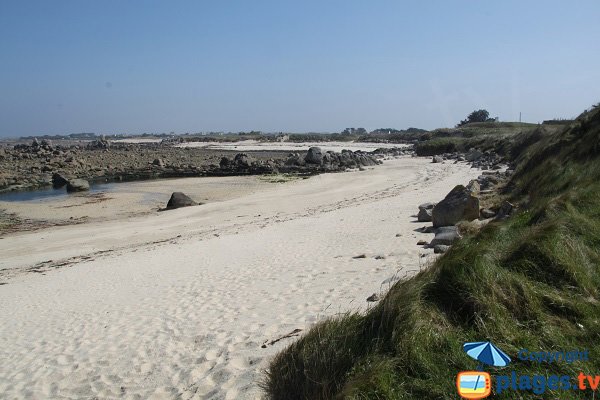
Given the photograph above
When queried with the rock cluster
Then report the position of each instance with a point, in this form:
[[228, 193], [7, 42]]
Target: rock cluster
[[462, 204], [40, 163], [99, 144], [314, 161], [484, 160]]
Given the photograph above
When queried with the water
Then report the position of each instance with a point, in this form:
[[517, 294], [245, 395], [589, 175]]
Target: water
[[50, 192]]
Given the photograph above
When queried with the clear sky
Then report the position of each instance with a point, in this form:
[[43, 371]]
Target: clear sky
[[188, 66]]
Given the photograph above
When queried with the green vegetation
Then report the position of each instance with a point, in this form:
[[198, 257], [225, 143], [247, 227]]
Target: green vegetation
[[531, 281], [477, 116], [439, 146]]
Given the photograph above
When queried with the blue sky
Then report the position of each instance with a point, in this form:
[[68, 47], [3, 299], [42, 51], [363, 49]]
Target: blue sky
[[188, 66]]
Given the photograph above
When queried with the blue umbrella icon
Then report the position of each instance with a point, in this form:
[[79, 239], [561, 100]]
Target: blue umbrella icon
[[487, 353]]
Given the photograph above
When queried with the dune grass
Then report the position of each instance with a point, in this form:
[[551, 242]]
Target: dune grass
[[531, 281]]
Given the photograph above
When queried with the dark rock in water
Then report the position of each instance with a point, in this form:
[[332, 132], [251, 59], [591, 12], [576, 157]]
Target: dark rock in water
[[460, 204], [314, 155], [78, 185], [445, 235], [422, 243], [158, 162], [440, 249], [59, 180], [178, 200]]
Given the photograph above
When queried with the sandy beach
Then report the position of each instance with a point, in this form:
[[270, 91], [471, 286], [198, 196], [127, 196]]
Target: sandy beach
[[133, 303]]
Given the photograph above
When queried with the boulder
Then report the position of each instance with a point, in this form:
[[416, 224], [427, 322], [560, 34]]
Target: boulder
[[474, 187], [425, 210], [437, 159], [314, 155], [59, 180], [460, 204], [178, 200], [78, 185], [158, 162], [473, 155], [506, 209], [445, 236], [440, 249]]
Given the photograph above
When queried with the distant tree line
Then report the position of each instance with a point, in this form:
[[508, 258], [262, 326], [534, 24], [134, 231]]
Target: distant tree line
[[477, 116]]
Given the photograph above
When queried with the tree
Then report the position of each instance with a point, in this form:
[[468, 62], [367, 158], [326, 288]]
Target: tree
[[477, 116]]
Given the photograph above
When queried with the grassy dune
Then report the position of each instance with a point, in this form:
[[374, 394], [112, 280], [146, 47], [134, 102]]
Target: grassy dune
[[531, 281]]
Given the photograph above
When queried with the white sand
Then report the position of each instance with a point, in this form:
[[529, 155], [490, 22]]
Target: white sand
[[186, 318], [251, 145]]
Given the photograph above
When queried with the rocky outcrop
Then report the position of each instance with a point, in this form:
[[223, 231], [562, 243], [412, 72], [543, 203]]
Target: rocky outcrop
[[242, 164], [31, 165], [78, 185], [178, 200], [316, 161], [460, 204]]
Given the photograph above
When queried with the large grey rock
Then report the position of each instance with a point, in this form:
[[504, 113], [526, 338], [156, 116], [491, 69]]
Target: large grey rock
[[59, 180], [445, 236], [314, 155], [178, 200], [425, 210], [437, 159], [460, 204], [78, 185]]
